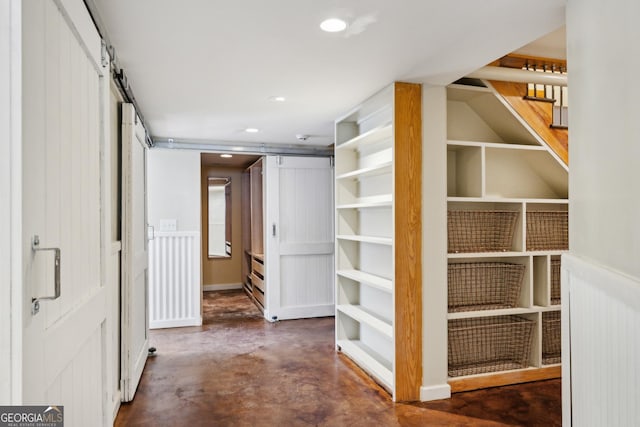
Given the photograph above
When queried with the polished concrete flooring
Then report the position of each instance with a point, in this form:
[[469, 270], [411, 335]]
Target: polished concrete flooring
[[239, 370]]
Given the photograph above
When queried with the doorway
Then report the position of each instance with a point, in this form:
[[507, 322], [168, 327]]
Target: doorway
[[225, 229]]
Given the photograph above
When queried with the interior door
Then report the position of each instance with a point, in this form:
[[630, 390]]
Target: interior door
[[63, 100], [299, 234], [135, 260]]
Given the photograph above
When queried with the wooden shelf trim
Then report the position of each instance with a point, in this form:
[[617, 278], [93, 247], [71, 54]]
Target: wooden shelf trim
[[366, 239], [378, 169], [360, 314], [407, 299], [371, 137], [371, 280], [369, 363], [504, 378]]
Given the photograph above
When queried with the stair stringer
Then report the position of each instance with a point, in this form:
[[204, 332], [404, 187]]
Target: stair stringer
[[558, 148]]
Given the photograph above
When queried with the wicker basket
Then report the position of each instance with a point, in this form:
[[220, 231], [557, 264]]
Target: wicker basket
[[555, 282], [551, 337], [547, 230], [480, 231], [489, 344], [484, 285]]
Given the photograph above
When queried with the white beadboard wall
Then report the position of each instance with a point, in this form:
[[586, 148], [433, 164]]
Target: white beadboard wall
[[603, 368], [174, 279]]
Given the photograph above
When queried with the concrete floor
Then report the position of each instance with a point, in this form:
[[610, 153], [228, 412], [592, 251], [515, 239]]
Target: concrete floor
[[239, 370]]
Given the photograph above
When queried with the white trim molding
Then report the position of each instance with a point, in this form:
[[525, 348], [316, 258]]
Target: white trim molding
[[435, 392], [222, 287]]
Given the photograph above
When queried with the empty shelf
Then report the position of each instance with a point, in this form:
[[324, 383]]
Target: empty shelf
[[378, 169], [384, 200], [356, 312], [371, 137], [368, 360], [368, 279], [366, 239]]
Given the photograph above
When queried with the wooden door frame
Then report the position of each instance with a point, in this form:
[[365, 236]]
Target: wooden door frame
[[11, 208]]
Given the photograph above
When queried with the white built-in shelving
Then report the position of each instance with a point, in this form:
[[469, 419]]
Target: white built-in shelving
[[370, 228], [494, 162]]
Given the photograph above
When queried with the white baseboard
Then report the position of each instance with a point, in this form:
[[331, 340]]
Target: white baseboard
[[175, 323], [222, 287], [435, 392]]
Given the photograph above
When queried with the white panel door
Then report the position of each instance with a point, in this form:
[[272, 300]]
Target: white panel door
[[300, 248], [63, 81], [135, 259]]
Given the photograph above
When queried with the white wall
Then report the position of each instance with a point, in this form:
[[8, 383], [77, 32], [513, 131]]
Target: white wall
[[604, 58], [173, 182], [434, 257], [604, 153]]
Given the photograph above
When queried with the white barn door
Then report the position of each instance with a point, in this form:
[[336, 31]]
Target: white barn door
[[299, 235], [64, 338], [135, 259]]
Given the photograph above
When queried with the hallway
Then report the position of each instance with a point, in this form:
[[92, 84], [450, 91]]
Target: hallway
[[238, 370]]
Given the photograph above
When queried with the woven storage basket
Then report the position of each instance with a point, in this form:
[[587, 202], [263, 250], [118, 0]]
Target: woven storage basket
[[555, 282], [484, 285], [480, 231], [547, 230], [551, 337], [489, 344]]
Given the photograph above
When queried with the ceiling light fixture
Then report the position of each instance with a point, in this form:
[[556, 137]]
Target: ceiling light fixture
[[226, 156], [277, 98], [333, 25], [251, 130]]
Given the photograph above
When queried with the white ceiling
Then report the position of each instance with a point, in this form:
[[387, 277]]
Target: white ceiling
[[203, 70]]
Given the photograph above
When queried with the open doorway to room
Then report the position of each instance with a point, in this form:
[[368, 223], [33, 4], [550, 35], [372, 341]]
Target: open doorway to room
[[226, 236]]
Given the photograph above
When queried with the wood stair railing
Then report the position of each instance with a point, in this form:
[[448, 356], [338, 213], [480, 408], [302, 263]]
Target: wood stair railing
[[537, 114]]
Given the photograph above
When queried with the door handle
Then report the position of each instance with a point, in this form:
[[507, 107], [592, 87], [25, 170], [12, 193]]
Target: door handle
[[35, 301]]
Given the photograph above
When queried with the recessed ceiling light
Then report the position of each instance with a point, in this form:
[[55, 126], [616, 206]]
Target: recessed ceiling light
[[251, 130], [277, 98], [226, 156], [333, 25]]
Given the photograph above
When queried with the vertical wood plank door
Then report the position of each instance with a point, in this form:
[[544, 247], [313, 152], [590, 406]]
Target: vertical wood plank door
[[300, 250], [135, 258], [64, 98]]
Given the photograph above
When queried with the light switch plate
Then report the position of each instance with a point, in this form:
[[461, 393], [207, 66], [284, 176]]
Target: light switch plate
[[168, 224]]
